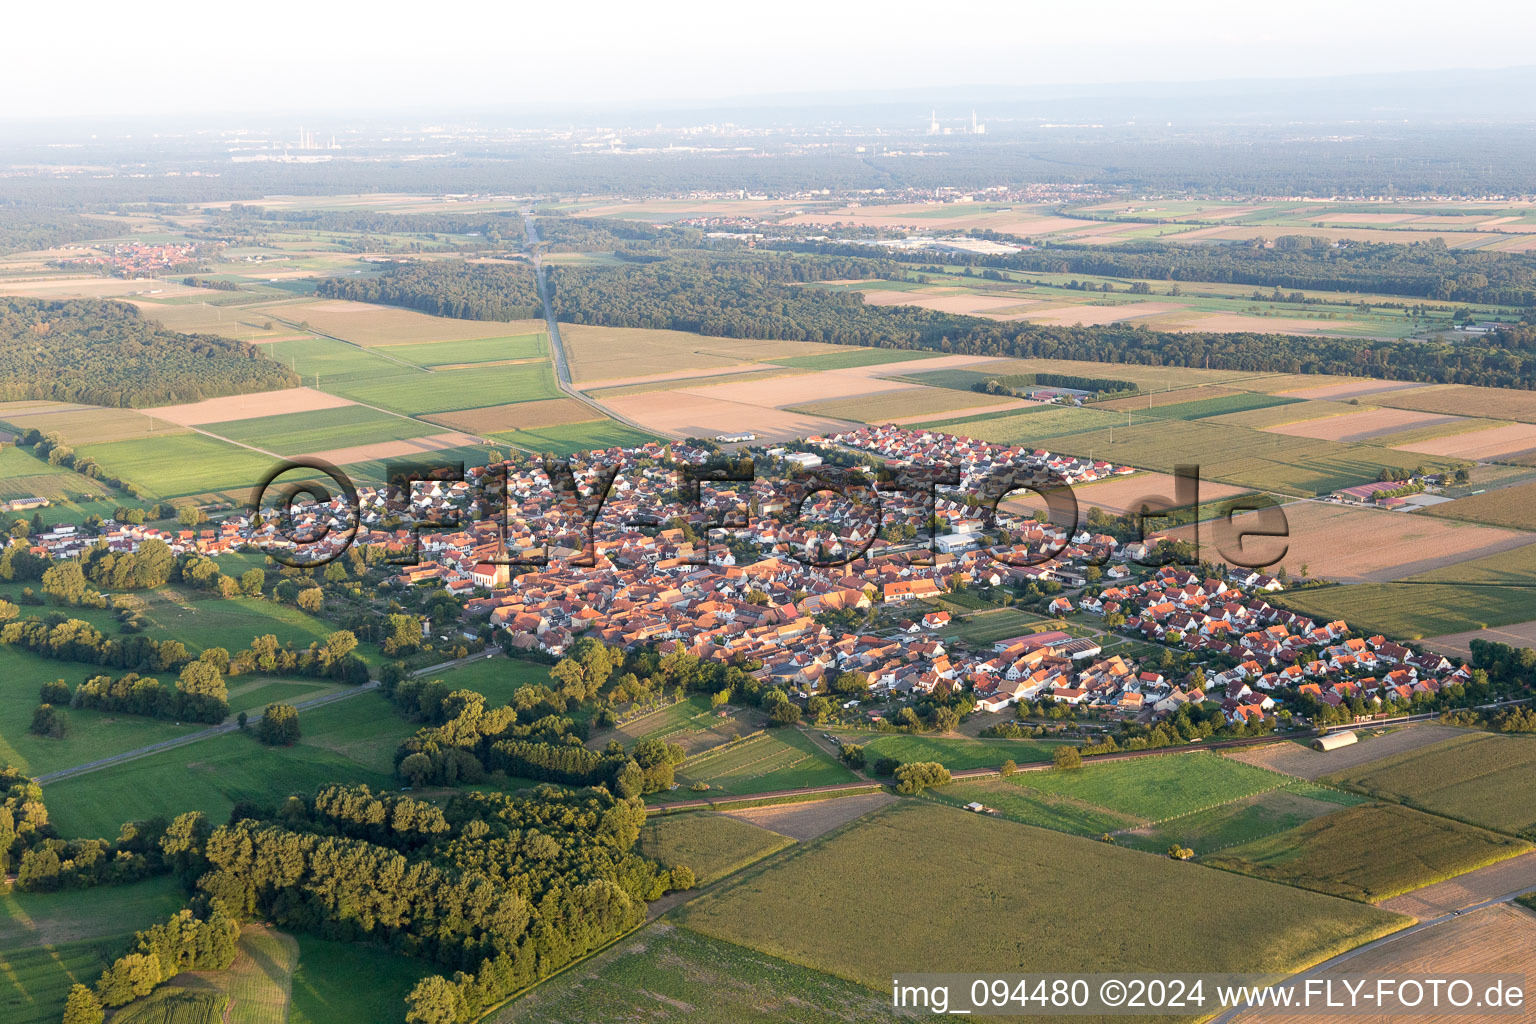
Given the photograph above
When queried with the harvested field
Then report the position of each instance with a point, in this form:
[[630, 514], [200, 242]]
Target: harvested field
[[955, 300], [1197, 393], [1090, 315], [91, 287], [1493, 443], [1362, 425], [240, 407], [1495, 940], [550, 412], [1279, 415], [1306, 763], [1516, 634], [1370, 852], [731, 371], [1353, 388], [1147, 378], [680, 414], [912, 405], [86, 424], [1462, 400], [394, 449], [1488, 883], [617, 355], [1257, 324], [573, 438], [804, 821], [364, 324], [1128, 493], [800, 389], [1358, 544]]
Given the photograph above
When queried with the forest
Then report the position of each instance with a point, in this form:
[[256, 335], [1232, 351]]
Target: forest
[[245, 220], [453, 288], [108, 353]]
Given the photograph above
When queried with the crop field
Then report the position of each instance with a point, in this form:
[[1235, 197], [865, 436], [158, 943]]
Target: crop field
[[1032, 426], [1203, 408], [807, 819], [692, 724], [1156, 788], [334, 362], [713, 845], [1242, 821], [172, 1004], [365, 324], [451, 390], [50, 941], [904, 406], [985, 628], [243, 407], [1414, 609], [350, 982], [975, 914], [1489, 883], [321, 430], [671, 975], [1481, 778], [1295, 412], [783, 759], [22, 475], [1365, 423], [695, 414], [479, 350], [1460, 400], [1032, 807], [852, 357], [571, 438], [551, 412], [178, 465], [956, 753], [257, 985], [668, 382], [1340, 542], [1514, 507], [621, 353], [1371, 852], [80, 425], [210, 775]]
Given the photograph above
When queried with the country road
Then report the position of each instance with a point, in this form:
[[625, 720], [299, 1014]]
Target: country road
[[227, 726], [557, 346]]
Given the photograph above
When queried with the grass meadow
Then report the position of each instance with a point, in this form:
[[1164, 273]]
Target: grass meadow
[[713, 845], [769, 761], [320, 430], [452, 390], [178, 465]]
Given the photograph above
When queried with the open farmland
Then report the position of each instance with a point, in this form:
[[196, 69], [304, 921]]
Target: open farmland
[[1363, 424], [1509, 442], [1295, 758], [956, 753], [849, 358], [182, 464], [1482, 778], [550, 412], [1459, 400], [671, 975], [806, 819], [1495, 940], [692, 724], [478, 350], [243, 407], [365, 324], [574, 438], [349, 982], [1019, 803], [909, 405], [23, 475], [450, 390], [1033, 426], [1514, 507], [1155, 788], [615, 354], [329, 362], [86, 424], [257, 987], [713, 845], [1459, 645], [800, 907], [782, 759], [1123, 494], [1490, 883], [300, 432], [686, 414], [1371, 852], [1340, 542], [1241, 821]]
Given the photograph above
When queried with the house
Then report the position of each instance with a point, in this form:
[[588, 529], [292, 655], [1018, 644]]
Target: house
[[936, 620], [1060, 606]]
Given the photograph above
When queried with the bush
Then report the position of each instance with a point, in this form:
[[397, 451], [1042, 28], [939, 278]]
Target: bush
[[886, 766], [50, 721], [914, 777]]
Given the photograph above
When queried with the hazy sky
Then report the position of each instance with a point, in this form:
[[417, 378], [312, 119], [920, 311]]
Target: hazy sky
[[168, 58]]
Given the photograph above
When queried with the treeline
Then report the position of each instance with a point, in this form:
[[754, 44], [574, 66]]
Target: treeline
[[454, 288], [496, 228], [761, 295], [501, 891], [585, 234], [1018, 383], [23, 229], [108, 353]]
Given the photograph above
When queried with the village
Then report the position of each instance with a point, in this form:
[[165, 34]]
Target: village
[[806, 592]]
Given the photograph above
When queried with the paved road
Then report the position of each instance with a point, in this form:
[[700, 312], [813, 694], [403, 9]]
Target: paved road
[[1311, 972], [557, 346], [229, 726]]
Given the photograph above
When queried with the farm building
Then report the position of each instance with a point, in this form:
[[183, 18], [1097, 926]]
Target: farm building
[[1333, 741]]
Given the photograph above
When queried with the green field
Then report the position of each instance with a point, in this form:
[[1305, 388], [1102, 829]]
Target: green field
[[24, 476], [1206, 407], [1030, 427], [351, 982], [713, 845], [574, 438], [93, 734], [1156, 788], [178, 465], [171, 1004], [212, 775], [781, 759], [670, 975], [1410, 610], [479, 350], [985, 628], [691, 723], [50, 941], [451, 390], [1482, 778], [1241, 821], [1033, 807], [320, 430], [956, 753], [1370, 853], [334, 362], [252, 693], [497, 678], [854, 357], [966, 892], [955, 380], [200, 619]]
